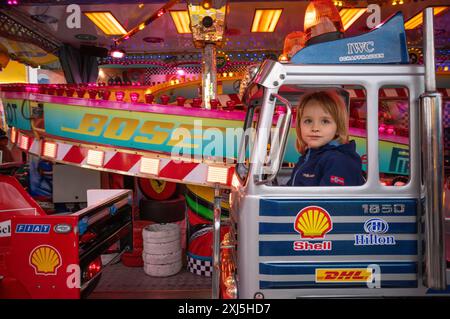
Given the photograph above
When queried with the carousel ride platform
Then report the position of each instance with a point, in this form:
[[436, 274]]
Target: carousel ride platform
[[121, 282]]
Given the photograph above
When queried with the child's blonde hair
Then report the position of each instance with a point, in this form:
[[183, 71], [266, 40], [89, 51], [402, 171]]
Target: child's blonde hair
[[332, 104]]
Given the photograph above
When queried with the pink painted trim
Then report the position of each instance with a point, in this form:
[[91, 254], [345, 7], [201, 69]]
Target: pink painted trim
[[165, 109], [124, 106]]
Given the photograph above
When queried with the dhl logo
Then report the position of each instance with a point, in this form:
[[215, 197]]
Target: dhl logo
[[344, 275]]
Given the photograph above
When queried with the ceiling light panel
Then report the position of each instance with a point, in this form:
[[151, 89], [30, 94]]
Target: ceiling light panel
[[106, 22], [417, 20], [350, 15], [265, 20], [181, 20]]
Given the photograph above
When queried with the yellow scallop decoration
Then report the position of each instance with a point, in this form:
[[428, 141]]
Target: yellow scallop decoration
[[45, 260], [313, 222]]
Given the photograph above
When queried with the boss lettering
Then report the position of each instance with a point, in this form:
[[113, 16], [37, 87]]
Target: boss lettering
[[121, 129], [91, 124], [125, 129]]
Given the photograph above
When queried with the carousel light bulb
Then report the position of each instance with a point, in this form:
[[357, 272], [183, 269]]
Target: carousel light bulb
[[117, 53]]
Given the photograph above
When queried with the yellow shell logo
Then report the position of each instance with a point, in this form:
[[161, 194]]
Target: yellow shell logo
[[313, 222], [45, 260]]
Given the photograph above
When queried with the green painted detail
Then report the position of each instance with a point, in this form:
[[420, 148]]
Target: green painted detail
[[201, 210]]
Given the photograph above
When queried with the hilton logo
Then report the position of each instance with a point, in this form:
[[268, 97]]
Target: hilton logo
[[374, 227]]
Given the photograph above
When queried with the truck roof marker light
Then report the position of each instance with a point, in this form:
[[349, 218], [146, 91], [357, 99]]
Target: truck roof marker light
[[217, 175], [149, 166], [50, 149], [95, 158], [24, 142], [322, 22]]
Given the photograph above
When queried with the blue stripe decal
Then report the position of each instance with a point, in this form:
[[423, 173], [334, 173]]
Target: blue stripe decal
[[339, 247], [312, 284], [338, 228], [438, 292], [286, 207], [310, 269]]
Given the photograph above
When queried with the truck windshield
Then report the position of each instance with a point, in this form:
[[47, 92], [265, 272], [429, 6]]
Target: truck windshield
[[252, 102]]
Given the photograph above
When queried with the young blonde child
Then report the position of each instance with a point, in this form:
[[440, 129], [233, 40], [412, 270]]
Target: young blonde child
[[328, 158]]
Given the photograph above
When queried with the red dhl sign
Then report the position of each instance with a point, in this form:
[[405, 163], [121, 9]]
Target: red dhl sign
[[344, 275]]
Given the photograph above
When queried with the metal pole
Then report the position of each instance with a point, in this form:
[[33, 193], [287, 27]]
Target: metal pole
[[216, 244], [433, 167], [428, 44], [209, 75]]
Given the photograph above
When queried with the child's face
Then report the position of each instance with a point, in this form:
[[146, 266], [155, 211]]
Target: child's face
[[317, 126]]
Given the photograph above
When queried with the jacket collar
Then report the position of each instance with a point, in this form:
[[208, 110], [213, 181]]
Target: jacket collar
[[331, 145]]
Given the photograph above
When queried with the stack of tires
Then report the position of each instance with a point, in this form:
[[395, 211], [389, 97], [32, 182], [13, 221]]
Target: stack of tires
[[200, 202], [164, 240], [162, 254]]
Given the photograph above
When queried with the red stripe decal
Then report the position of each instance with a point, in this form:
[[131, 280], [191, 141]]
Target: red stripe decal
[[177, 171], [75, 155], [122, 161]]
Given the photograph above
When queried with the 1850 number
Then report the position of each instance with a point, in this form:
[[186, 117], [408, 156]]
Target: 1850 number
[[383, 208]]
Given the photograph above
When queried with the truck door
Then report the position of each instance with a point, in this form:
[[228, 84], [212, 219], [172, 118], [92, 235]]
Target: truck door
[[335, 240]]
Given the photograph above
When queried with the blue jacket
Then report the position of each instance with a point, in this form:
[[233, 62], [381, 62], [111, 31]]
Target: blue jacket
[[330, 165]]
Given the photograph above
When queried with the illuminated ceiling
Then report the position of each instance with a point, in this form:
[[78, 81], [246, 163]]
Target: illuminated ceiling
[[162, 36]]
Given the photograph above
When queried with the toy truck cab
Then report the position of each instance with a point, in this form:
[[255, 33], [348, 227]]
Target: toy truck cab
[[370, 240]]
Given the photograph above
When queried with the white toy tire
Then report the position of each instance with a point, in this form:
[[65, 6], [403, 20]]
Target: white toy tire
[[162, 248], [163, 270], [161, 259], [161, 233], [167, 239]]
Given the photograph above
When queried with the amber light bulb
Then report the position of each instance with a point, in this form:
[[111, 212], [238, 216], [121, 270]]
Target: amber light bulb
[[322, 22]]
